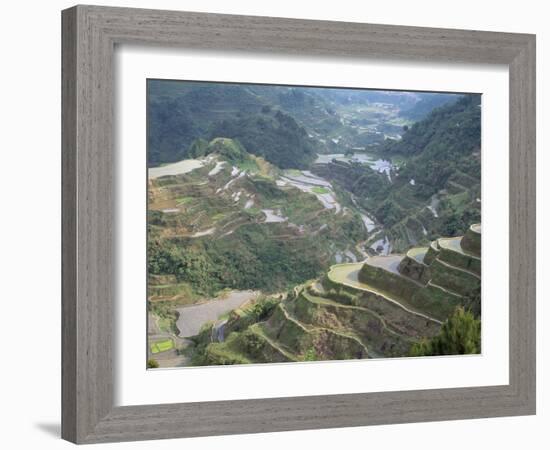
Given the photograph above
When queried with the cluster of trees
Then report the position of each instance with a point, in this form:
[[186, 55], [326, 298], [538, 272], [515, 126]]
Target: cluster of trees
[[436, 150], [276, 136], [263, 308], [170, 130], [180, 113], [248, 259], [454, 222], [457, 124], [152, 364], [459, 335], [229, 149], [442, 144]]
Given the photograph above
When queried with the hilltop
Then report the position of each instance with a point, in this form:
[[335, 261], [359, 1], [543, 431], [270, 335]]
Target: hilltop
[[387, 306], [273, 135]]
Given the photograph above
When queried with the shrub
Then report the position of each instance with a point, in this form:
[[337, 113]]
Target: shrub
[[152, 364], [459, 335]]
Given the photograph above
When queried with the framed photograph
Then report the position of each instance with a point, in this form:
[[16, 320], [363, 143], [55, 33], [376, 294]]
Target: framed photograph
[[276, 224]]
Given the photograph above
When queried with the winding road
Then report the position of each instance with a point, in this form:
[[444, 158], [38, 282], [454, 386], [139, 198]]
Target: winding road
[[192, 318]]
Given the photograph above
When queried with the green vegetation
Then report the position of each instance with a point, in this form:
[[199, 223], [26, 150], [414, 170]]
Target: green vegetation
[[472, 240], [441, 153], [435, 302], [358, 311], [459, 335], [166, 316], [461, 259], [311, 355], [152, 364], [241, 220], [238, 250], [277, 137], [453, 278], [181, 118], [444, 148], [179, 113], [259, 311], [248, 259], [230, 150], [426, 105], [320, 190], [434, 285], [162, 346]]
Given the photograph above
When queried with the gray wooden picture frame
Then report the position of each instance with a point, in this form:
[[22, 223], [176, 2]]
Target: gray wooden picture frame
[[90, 34]]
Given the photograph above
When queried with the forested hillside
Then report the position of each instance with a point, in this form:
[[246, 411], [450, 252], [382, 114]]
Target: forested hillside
[[275, 136], [435, 188], [180, 113], [286, 125], [426, 103]]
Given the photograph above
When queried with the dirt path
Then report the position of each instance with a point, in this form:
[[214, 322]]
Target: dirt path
[[324, 301], [283, 351], [310, 328], [437, 286], [192, 318]]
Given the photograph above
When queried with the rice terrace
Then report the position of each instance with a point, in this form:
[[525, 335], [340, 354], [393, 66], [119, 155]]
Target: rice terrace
[[299, 224]]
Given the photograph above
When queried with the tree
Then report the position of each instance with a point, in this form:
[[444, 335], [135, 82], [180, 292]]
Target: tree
[[152, 364], [459, 335], [311, 355]]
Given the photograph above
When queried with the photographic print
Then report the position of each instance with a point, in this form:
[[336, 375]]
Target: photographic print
[[292, 224]]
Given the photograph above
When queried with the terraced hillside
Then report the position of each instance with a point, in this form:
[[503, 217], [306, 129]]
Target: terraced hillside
[[433, 280], [291, 223], [230, 220], [379, 308], [433, 185]]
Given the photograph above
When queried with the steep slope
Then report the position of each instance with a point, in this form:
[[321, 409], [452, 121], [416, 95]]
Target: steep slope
[[328, 120], [432, 279], [232, 220], [436, 185], [275, 136], [426, 103], [379, 308], [179, 113]]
